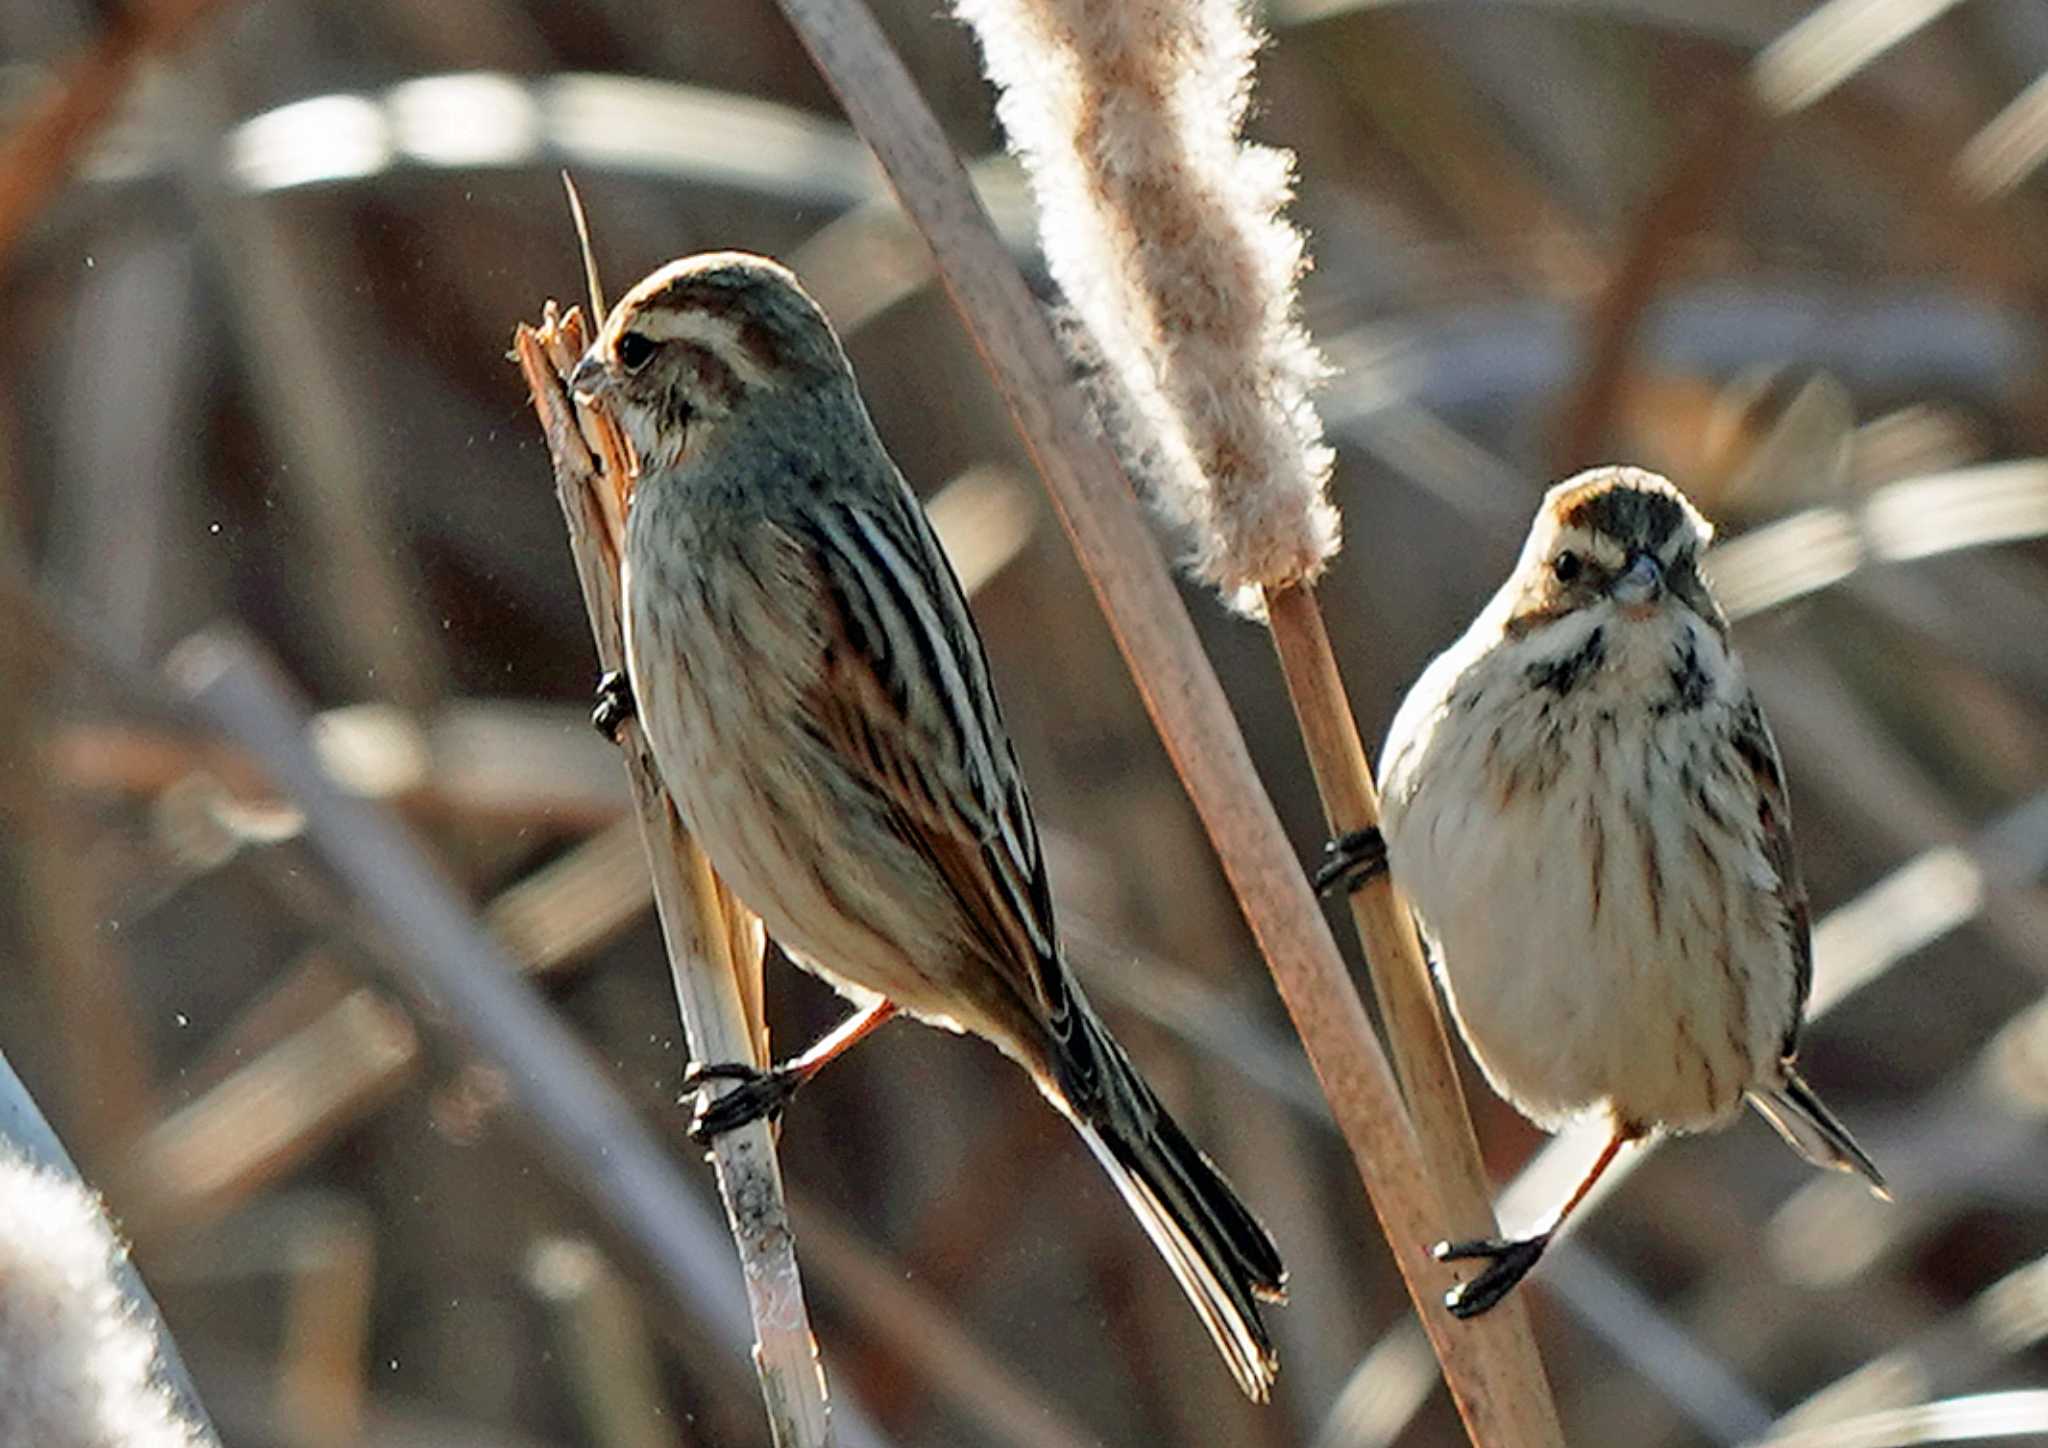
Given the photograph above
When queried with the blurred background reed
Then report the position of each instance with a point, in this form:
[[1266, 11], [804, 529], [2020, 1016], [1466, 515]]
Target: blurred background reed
[[1795, 256]]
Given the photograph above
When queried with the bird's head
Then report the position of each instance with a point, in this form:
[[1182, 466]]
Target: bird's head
[[1613, 543], [699, 340]]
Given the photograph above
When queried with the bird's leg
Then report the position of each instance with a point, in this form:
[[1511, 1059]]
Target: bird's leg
[[1349, 861], [614, 704], [1508, 1262], [763, 1094]]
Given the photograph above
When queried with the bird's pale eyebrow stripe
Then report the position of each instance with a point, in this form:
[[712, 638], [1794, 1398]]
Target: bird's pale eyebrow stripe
[[716, 334], [713, 372]]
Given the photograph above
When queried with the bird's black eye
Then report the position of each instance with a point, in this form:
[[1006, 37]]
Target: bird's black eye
[[635, 350], [1567, 566]]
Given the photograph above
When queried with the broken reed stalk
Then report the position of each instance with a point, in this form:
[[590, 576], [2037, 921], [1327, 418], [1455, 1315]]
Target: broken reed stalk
[[1499, 1390], [606, 1152], [714, 943]]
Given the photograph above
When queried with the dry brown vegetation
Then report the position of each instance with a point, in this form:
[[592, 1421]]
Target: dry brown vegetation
[[258, 374]]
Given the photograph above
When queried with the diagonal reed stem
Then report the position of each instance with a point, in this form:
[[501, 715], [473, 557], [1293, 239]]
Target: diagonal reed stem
[[714, 943], [1499, 1400]]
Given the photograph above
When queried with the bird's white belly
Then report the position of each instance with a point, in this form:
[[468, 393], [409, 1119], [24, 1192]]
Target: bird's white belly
[[765, 812], [1589, 959]]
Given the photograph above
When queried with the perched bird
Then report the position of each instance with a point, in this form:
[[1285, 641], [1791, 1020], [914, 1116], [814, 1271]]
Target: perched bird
[[803, 662], [1586, 811]]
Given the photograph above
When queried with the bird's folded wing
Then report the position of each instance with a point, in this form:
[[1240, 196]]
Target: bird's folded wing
[[1759, 755], [904, 700]]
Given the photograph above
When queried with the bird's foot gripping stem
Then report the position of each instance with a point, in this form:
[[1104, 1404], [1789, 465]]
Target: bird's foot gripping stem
[[614, 705], [761, 1095], [1508, 1262], [1350, 861]]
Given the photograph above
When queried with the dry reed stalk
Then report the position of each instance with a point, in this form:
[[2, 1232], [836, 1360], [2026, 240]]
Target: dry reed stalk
[[1498, 1388], [1400, 976], [1166, 230], [81, 966], [604, 1149], [714, 943]]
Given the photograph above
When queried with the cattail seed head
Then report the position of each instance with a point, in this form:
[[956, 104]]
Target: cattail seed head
[[1163, 229], [75, 1365]]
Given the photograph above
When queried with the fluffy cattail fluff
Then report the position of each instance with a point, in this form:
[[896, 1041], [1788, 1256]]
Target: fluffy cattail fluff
[[75, 1366], [1163, 228]]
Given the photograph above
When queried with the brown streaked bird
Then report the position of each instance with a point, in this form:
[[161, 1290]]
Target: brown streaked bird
[[816, 696], [1586, 810]]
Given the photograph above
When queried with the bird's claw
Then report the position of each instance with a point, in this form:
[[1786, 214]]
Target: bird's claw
[[1350, 860], [615, 704], [1508, 1262], [759, 1096]]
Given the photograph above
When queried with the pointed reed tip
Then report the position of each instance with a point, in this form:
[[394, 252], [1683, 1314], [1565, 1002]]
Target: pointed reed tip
[[590, 277]]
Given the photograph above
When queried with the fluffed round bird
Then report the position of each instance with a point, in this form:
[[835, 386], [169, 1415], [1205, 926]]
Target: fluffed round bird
[[802, 660], [1586, 811]]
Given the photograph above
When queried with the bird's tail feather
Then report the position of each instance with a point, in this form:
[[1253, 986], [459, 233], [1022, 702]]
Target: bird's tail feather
[[1217, 1250], [1813, 1132]]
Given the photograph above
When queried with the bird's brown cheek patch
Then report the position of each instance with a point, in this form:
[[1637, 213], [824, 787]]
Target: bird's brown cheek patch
[[1537, 608], [714, 380]]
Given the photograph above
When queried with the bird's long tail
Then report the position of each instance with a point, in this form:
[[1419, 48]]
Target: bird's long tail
[[1813, 1132], [1220, 1255]]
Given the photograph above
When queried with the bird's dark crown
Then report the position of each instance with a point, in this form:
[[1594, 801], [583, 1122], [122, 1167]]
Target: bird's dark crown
[[1628, 506]]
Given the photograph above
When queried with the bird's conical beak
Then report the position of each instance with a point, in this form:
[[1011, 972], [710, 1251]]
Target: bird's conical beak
[[591, 377], [1640, 585]]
